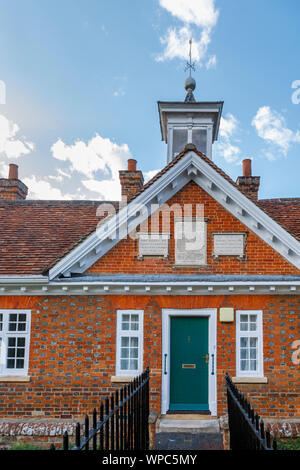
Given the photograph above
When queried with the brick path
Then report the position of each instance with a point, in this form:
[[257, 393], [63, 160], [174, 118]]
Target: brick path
[[188, 441]]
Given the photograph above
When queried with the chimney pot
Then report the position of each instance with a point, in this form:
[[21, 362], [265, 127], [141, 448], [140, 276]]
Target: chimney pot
[[247, 170], [13, 172], [131, 164]]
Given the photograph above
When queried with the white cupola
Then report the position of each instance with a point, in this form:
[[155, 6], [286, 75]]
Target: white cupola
[[191, 121], [186, 122]]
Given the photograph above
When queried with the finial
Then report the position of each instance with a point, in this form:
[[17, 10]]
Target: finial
[[190, 83]]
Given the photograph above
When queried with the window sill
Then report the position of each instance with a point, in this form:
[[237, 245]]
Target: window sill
[[120, 379], [250, 380], [15, 378]]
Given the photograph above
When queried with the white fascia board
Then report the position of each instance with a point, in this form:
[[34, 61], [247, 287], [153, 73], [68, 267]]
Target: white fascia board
[[156, 288], [233, 200], [175, 283], [103, 287]]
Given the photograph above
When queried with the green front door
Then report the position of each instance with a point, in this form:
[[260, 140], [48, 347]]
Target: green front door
[[189, 364]]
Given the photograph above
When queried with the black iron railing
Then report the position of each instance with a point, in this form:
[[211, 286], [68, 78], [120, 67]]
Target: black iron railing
[[123, 421], [246, 428]]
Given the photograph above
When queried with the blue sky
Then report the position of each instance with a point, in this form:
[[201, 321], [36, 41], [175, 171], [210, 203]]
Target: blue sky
[[83, 79]]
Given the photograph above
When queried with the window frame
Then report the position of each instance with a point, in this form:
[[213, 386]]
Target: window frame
[[130, 333], [250, 334], [5, 334], [189, 128]]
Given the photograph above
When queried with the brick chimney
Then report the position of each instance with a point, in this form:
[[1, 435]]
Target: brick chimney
[[249, 184], [131, 180], [12, 189]]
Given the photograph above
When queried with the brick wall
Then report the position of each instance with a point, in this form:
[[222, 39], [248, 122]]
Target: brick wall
[[73, 342]]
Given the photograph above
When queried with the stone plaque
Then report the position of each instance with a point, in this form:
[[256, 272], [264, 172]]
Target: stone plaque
[[229, 244], [153, 244], [190, 242]]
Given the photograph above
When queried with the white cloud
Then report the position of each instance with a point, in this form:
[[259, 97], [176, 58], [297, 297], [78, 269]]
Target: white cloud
[[97, 155], [199, 13], [271, 127], [119, 92], [228, 126], [62, 175], [10, 145], [4, 169], [230, 152], [176, 44], [108, 190], [225, 148], [150, 174], [42, 189], [211, 63]]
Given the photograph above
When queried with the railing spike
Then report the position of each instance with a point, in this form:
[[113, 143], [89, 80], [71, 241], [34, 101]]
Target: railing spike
[[262, 429], [268, 438]]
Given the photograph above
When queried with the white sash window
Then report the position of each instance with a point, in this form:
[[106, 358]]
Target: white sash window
[[14, 342], [249, 343], [129, 356]]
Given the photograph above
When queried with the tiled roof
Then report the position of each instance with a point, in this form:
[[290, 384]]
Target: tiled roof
[[36, 234], [285, 211]]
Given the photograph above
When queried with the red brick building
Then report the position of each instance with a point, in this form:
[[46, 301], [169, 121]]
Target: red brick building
[[194, 277]]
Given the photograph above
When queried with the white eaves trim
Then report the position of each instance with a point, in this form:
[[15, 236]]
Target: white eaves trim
[[103, 287], [191, 167]]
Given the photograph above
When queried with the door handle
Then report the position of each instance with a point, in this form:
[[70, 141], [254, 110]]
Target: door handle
[[213, 364], [206, 357], [165, 365]]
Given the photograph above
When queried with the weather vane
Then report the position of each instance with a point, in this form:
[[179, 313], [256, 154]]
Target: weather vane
[[190, 65], [190, 83]]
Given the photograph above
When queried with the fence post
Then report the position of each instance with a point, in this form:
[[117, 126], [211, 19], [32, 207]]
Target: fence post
[[86, 431], [117, 403], [94, 429], [122, 419], [107, 424], [66, 441], [112, 424], [101, 430], [77, 436]]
